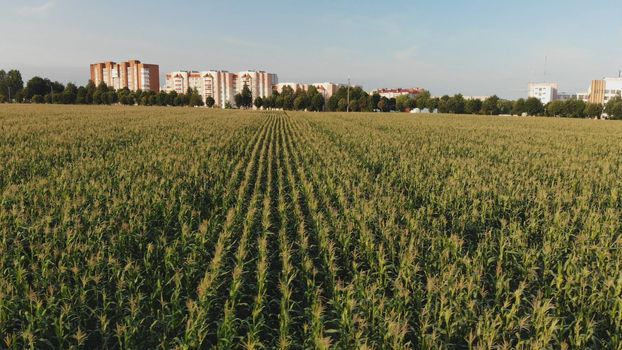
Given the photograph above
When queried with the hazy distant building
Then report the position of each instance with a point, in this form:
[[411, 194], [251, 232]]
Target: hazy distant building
[[133, 75], [393, 93], [545, 92], [601, 91], [326, 89], [222, 86], [480, 98]]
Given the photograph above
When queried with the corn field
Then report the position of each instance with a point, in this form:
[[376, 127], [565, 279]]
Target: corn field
[[162, 228]]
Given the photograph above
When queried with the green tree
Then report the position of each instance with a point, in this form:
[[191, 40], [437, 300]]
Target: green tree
[[246, 100], [317, 103], [473, 106], [37, 86], [456, 104], [432, 104], [402, 103], [382, 104], [70, 94], [11, 84], [37, 99], [421, 100], [555, 109], [342, 105], [374, 99], [210, 102], [519, 107], [258, 102], [613, 108], [574, 108], [534, 106], [593, 110], [490, 106]]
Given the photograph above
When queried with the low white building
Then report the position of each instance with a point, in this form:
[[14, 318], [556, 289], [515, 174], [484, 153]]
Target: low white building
[[545, 92], [394, 93]]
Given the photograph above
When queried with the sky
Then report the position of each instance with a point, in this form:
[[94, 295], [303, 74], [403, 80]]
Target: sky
[[476, 47]]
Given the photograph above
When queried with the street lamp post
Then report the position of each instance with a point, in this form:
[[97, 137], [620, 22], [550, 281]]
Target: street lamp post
[[348, 106]]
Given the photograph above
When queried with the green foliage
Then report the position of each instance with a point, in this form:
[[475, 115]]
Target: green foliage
[[614, 108], [209, 101], [490, 106]]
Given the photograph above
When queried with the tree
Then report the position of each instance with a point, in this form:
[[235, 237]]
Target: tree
[[443, 106], [258, 102], [456, 104], [37, 86], [11, 84], [490, 106], [317, 103], [209, 101], [353, 106], [300, 102], [593, 110], [37, 99], [342, 105], [70, 94], [195, 100], [574, 108], [421, 100], [555, 109], [533, 106], [247, 97], [382, 104], [472, 106], [505, 106], [519, 107], [432, 104], [90, 91], [614, 108], [374, 99], [238, 100], [402, 103]]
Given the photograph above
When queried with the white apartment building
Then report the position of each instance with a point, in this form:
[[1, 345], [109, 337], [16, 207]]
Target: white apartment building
[[222, 86], [545, 92], [326, 89], [259, 82]]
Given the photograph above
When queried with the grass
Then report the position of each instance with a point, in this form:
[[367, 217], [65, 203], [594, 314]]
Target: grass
[[192, 228]]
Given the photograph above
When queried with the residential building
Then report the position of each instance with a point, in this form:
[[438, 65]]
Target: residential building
[[133, 75], [259, 82], [327, 89], [545, 92], [222, 86], [393, 93], [601, 91]]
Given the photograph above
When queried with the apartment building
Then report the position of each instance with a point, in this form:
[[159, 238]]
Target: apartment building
[[601, 91], [133, 75], [222, 86], [326, 89], [259, 82], [545, 92]]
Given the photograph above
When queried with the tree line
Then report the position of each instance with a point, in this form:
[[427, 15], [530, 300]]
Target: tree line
[[43, 90]]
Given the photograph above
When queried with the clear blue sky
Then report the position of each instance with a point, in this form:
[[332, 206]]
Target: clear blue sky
[[477, 47]]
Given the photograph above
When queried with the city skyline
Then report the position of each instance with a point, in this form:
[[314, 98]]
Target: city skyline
[[480, 48]]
